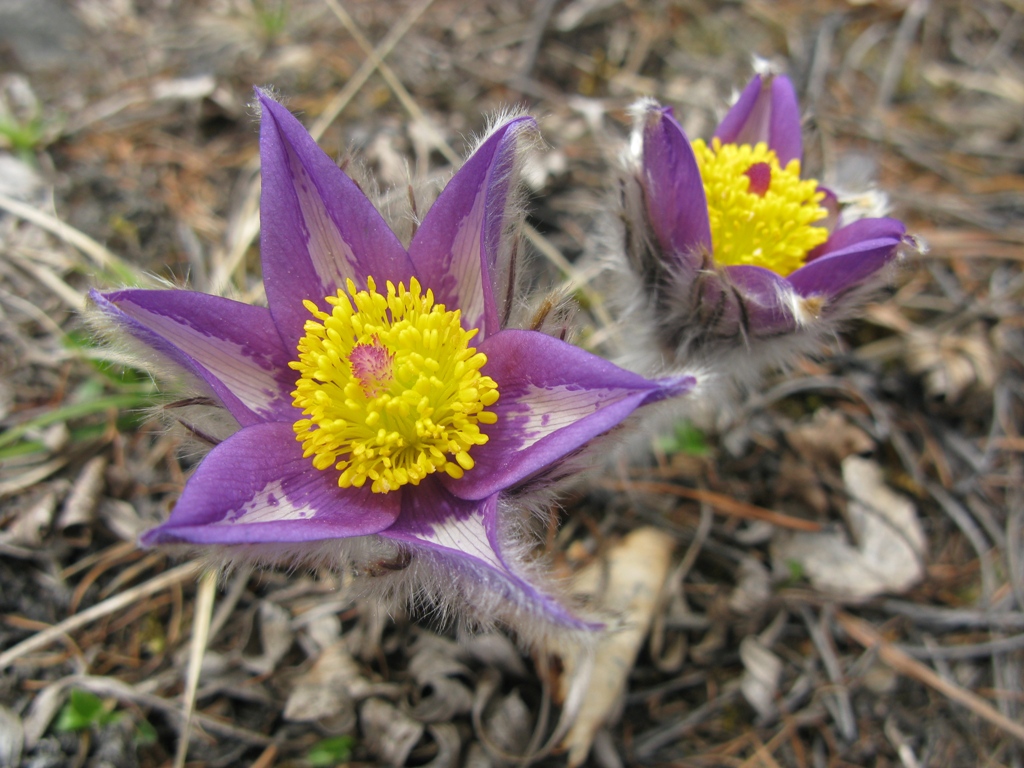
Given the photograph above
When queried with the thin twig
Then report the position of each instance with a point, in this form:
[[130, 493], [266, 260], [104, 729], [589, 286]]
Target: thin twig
[[900, 662], [73, 237], [719, 501], [117, 602], [200, 637], [967, 651], [403, 95], [337, 105]]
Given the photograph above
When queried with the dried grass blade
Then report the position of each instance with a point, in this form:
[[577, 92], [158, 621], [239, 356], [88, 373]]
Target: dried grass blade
[[73, 237], [116, 603], [869, 637], [200, 636]]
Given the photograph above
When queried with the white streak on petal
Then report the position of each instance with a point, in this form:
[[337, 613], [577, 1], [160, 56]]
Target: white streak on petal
[[549, 409], [332, 257], [467, 265], [268, 505], [467, 535], [247, 376]]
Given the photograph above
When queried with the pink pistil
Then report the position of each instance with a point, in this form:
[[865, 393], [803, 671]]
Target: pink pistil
[[371, 364], [760, 175]]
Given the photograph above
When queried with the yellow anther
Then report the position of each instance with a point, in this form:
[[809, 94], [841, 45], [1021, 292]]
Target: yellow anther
[[389, 388], [760, 213]]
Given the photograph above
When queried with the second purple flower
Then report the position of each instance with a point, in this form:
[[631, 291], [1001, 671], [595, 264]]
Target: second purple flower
[[739, 259]]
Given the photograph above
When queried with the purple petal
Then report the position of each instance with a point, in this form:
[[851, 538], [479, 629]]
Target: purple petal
[[765, 295], [465, 536], [317, 227], [457, 249], [233, 347], [854, 254], [554, 398], [767, 111], [831, 205], [256, 487], [857, 232], [674, 191]]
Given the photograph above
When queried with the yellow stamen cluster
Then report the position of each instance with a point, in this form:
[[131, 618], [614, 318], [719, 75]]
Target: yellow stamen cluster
[[759, 218], [391, 388]]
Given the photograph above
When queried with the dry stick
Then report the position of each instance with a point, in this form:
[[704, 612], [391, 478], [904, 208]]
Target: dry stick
[[73, 237], [900, 662], [109, 686], [912, 18], [200, 636], [719, 501], [116, 603], [403, 96], [367, 68]]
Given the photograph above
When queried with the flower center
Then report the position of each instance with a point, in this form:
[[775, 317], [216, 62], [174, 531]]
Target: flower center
[[760, 213], [391, 388]]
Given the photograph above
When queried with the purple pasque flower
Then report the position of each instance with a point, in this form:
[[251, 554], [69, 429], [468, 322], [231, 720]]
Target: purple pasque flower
[[385, 415], [738, 256]]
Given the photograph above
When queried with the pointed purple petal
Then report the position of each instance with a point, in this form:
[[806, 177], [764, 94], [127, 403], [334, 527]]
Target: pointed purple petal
[[458, 247], [765, 306], [554, 398], [316, 227], [465, 537], [255, 487], [673, 189], [233, 347], [854, 254], [857, 232], [831, 205], [767, 111]]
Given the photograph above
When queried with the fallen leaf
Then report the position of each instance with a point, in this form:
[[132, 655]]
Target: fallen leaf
[[388, 733], [888, 553], [325, 690], [754, 588], [762, 671], [31, 523], [952, 363], [276, 636], [632, 574], [79, 511], [828, 438], [12, 737]]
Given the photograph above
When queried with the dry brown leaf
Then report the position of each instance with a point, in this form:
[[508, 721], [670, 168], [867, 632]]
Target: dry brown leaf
[[276, 637], [632, 575], [762, 671], [952, 363], [754, 588], [509, 724], [80, 506], [828, 438], [31, 523], [888, 552], [122, 519], [388, 733], [12, 737], [326, 689], [497, 651], [448, 744], [801, 480]]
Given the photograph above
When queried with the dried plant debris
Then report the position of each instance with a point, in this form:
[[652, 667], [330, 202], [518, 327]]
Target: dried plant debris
[[127, 159], [883, 551], [625, 585]]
